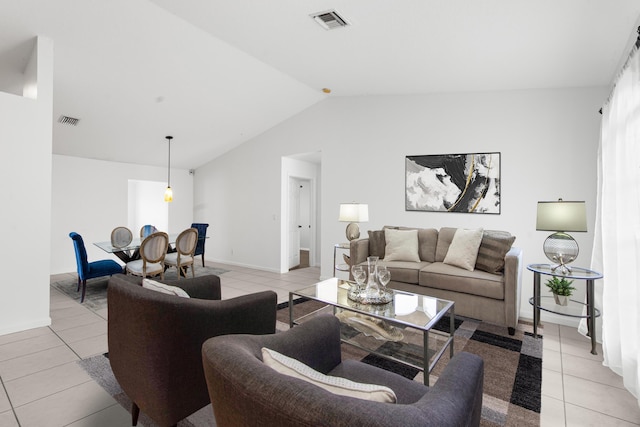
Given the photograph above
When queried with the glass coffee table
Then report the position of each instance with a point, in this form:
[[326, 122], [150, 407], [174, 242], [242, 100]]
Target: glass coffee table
[[399, 330]]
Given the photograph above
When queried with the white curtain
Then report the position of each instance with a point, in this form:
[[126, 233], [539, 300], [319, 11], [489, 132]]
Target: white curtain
[[616, 250]]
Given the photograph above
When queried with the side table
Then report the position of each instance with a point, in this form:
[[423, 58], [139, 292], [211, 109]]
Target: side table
[[339, 266], [574, 309]]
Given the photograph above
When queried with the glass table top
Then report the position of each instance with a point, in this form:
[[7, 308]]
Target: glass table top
[[575, 273], [417, 311]]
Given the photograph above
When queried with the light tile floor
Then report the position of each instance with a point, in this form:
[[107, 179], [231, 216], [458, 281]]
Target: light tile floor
[[42, 385]]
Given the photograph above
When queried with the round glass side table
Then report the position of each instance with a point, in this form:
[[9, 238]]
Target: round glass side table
[[574, 308]]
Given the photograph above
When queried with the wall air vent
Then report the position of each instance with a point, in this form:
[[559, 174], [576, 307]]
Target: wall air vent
[[329, 20], [66, 120]]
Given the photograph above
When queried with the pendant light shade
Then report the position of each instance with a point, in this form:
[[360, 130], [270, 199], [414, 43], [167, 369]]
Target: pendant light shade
[[168, 193]]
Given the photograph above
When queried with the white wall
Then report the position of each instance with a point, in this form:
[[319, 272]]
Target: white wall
[[90, 197], [548, 140], [25, 136]]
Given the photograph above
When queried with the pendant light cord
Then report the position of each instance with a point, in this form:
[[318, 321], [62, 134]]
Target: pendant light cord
[[169, 138]]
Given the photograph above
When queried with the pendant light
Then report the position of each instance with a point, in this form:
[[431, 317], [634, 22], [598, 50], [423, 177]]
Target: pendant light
[[168, 193]]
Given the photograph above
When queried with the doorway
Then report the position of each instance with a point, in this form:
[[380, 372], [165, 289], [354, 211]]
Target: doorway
[[299, 211], [299, 222]]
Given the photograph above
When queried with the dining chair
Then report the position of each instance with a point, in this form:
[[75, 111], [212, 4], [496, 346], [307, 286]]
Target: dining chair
[[152, 252], [147, 230], [121, 237], [182, 258], [90, 270], [202, 234]]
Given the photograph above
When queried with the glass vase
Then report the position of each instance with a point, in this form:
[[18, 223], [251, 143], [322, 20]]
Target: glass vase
[[372, 290]]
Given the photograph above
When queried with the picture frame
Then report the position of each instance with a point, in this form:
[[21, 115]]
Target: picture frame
[[466, 183]]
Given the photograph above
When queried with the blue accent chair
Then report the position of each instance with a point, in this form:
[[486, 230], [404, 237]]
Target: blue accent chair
[[90, 270], [202, 234]]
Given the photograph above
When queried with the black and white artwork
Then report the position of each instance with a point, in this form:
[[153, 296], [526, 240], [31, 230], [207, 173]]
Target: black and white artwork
[[453, 183]]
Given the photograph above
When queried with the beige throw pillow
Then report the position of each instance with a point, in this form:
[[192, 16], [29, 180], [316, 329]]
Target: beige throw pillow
[[165, 289], [336, 385], [463, 250], [401, 245]]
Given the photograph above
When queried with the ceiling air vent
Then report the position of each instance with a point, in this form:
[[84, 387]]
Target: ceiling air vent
[[66, 120], [330, 20]]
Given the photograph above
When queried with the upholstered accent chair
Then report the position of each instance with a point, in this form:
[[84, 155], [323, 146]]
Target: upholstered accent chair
[[252, 393], [182, 258], [202, 235], [90, 270], [152, 252], [155, 340]]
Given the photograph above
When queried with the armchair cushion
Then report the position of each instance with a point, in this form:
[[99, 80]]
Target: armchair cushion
[[336, 385]]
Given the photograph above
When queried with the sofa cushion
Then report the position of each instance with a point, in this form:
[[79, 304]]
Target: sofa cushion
[[427, 242], [401, 245], [445, 236], [448, 277], [494, 247], [336, 385], [404, 271], [165, 289], [463, 250], [376, 243]]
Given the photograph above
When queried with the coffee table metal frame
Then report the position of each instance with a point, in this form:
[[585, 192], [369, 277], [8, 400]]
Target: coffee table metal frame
[[333, 292]]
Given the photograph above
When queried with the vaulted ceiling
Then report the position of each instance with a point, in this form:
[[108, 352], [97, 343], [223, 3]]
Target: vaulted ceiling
[[215, 73]]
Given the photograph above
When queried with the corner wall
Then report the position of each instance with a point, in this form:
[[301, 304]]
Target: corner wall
[[26, 185], [547, 139]]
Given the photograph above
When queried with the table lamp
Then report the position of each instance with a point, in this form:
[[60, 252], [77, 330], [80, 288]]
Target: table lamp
[[561, 216], [353, 213]]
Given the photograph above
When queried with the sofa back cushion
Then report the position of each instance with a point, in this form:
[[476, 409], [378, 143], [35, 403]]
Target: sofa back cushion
[[427, 242], [445, 237], [377, 243]]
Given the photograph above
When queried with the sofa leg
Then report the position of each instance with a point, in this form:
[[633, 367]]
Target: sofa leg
[[512, 331], [135, 412]]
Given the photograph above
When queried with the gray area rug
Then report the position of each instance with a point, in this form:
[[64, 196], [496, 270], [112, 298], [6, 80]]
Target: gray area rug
[[96, 295]]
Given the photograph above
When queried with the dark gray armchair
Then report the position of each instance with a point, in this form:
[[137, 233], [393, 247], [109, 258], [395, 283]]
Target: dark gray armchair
[[253, 394], [155, 340]]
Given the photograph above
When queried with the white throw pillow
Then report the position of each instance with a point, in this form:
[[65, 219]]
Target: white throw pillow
[[401, 245], [337, 385], [463, 250], [165, 289]]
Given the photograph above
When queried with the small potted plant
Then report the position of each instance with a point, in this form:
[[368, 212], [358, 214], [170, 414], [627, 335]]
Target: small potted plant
[[561, 289]]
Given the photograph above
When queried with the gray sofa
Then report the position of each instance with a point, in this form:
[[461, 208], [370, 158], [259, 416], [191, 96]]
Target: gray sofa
[[253, 394], [489, 296]]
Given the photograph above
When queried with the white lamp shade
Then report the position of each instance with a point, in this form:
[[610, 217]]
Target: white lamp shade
[[561, 216], [354, 212]]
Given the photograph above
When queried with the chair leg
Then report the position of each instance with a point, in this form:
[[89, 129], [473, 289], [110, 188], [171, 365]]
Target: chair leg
[[84, 290], [135, 412], [203, 259], [193, 270], [79, 281]]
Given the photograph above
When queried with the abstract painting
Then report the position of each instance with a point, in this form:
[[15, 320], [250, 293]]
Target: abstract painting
[[453, 183]]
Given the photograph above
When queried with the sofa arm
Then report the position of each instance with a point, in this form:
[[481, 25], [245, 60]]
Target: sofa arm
[[512, 286]]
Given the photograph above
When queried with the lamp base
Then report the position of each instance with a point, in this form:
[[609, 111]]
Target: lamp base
[[561, 249], [353, 231]]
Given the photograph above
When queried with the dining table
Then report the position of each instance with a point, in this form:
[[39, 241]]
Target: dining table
[[131, 252]]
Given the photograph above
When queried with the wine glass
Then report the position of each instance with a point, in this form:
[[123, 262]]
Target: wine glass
[[384, 276], [359, 275]]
